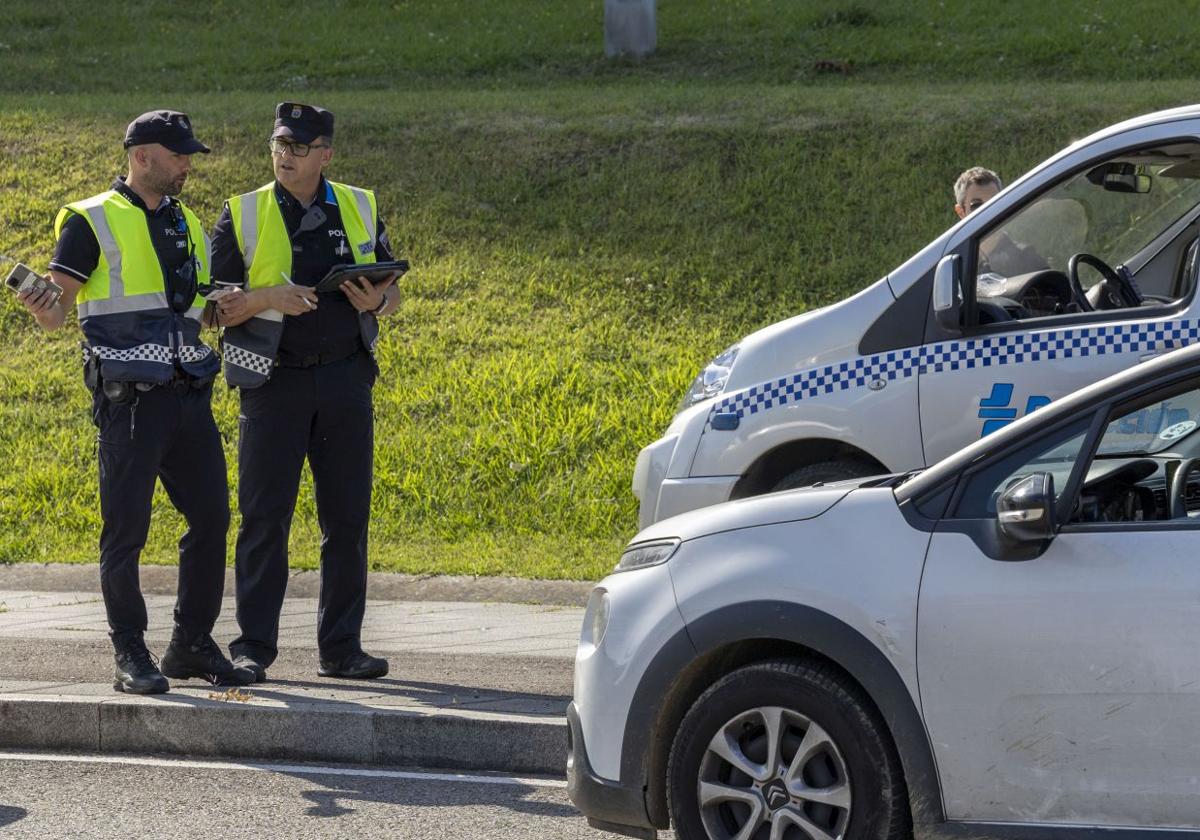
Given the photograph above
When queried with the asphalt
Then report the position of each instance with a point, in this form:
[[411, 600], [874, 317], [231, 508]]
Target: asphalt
[[77, 796], [475, 684]]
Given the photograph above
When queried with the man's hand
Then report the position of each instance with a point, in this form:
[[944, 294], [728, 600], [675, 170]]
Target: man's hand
[[50, 315], [37, 302], [364, 295], [293, 300], [231, 304]]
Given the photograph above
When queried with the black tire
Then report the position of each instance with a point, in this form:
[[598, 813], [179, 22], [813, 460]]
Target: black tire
[[827, 472], [812, 693]]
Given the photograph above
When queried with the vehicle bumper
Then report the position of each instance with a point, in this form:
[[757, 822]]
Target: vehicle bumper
[[668, 459], [610, 806], [679, 495], [661, 497], [649, 472]]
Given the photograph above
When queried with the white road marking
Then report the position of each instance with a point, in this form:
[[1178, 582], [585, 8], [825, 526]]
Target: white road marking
[[269, 767]]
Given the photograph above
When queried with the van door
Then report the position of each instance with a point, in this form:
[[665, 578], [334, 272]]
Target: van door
[[1087, 278]]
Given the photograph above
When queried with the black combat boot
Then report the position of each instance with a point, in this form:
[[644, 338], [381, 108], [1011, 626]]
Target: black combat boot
[[199, 656], [135, 671]]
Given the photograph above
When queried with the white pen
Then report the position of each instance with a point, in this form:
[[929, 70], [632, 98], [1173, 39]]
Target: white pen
[[288, 280]]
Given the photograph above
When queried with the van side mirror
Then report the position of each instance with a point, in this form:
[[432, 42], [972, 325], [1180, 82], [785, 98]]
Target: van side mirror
[[1025, 509], [947, 294]]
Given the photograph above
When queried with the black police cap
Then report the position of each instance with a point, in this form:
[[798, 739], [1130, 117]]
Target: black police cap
[[168, 128], [302, 123]]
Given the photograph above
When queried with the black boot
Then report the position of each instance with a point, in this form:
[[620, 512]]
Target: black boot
[[199, 656], [356, 666], [252, 665], [135, 671]]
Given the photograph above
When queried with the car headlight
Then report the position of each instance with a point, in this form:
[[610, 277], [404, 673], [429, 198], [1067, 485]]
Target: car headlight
[[597, 617], [647, 554], [711, 381]]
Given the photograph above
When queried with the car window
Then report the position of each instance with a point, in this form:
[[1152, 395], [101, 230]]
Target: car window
[[1111, 211], [1155, 428], [1056, 453]]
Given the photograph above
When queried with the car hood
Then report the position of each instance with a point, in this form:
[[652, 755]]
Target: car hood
[[785, 506]]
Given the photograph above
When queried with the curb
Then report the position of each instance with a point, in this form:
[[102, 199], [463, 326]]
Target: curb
[[193, 725]]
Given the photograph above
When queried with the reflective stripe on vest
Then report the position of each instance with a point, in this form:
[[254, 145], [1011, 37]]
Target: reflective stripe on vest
[[249, 349], [123, 306]]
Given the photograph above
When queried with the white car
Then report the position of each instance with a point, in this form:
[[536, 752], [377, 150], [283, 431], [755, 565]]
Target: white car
[[1084, 266], [1003, 645]]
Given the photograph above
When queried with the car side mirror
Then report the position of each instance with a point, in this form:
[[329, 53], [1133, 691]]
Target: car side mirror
[[1025, 509], [947, 294]]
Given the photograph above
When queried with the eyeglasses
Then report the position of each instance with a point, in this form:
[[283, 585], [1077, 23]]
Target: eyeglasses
[[278, 147]]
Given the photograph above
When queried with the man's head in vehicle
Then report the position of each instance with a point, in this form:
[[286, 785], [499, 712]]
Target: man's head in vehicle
[[973, 189]]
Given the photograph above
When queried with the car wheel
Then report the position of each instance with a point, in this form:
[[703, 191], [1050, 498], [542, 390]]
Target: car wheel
[[826, 472], [785, 750]]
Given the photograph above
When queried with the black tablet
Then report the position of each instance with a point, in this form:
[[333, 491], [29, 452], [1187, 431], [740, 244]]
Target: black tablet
[[377, 273]]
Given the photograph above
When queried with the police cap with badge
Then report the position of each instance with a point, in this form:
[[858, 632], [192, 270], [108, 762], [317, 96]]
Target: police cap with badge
[[302, 123], [171, 129]]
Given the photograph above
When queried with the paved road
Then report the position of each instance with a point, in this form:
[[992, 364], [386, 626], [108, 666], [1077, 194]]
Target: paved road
[[45, 796]]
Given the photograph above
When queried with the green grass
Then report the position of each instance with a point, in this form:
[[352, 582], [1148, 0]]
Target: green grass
[[278, 45], [584, 234]]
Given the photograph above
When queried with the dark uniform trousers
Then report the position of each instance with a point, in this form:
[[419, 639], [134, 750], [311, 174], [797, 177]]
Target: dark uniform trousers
[[166, 434], [323, 413]]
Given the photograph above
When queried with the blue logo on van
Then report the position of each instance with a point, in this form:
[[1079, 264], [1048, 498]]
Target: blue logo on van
[[994, 409]]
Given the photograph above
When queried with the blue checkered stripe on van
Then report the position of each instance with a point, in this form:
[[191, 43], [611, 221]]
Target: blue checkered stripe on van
[[1010, 349]]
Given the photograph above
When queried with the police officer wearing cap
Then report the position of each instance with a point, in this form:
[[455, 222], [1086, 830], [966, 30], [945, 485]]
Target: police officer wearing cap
[[134, 260], [304, 366]]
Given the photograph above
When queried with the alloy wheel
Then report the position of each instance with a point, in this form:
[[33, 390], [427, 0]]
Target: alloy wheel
[[773, 774]]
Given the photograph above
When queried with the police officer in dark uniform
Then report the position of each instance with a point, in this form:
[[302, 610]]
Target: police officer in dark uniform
[[305, 368], [134, 260]]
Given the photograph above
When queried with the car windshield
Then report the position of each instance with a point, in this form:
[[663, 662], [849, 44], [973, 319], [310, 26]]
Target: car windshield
[[1113, 211], [1083, 215], [1154, 428]]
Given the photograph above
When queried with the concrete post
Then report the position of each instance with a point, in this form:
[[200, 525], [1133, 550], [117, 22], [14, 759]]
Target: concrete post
[[630, 28]]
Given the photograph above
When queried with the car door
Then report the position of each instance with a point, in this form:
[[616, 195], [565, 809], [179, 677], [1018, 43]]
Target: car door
[[1029, 334], [1064, 688]]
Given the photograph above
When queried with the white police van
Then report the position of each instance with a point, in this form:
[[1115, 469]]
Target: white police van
[[961, 339]]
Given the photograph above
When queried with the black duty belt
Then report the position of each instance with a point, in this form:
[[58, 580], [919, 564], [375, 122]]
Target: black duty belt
[[325, 357], [122, 392]]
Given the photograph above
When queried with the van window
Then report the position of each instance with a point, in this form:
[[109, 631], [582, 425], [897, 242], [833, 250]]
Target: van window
[[1113, 211]]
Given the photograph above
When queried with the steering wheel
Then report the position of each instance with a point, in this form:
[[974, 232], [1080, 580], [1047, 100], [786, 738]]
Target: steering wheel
[[1179, 483], [1115, 289]]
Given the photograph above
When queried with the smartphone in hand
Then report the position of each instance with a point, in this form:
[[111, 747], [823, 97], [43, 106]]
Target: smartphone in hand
[[24, 279]]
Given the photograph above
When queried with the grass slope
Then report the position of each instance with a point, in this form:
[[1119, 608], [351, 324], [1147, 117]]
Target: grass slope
[[584, 235]]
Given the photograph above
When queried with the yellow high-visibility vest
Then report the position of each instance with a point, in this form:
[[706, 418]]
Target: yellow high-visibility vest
[[250, 348], [123, 307]]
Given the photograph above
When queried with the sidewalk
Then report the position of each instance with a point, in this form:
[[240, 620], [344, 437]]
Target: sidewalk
[[473, 684]]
